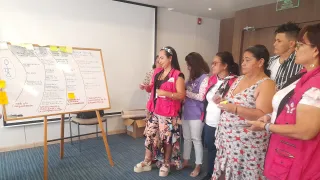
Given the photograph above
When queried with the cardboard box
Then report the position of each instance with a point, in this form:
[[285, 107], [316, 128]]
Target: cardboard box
[[135, 127]]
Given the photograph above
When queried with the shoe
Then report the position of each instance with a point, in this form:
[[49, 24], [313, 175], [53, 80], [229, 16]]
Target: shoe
[[207, 177], [195, 173], [164, 170], [142, 167]]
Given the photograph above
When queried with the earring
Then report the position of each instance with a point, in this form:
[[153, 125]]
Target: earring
[[312, 65]]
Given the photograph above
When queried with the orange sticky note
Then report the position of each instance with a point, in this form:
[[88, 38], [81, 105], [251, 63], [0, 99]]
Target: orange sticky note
[[4, 100], [71, 96], [2, 83], [3, 95]]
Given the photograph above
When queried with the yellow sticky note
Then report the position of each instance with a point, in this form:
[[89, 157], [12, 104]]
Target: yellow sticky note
[[63, 49], [3, 95], [29, 46], [2, 83], [69, 49], [54, 48], [224, 102], [71, 96], [4, 100]]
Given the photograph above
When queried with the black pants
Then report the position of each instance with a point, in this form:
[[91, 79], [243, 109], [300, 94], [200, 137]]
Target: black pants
[[209, 139]]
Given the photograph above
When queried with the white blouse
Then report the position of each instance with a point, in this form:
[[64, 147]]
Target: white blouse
[[311, 97], [213, 112]]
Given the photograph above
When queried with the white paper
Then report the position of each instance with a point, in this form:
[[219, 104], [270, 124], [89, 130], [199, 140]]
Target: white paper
[[29, 46], [3, 45]]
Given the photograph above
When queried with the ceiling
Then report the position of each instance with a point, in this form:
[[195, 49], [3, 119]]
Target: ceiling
[[221, 9]]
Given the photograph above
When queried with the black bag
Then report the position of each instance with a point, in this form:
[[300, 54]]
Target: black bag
[[89, 114]]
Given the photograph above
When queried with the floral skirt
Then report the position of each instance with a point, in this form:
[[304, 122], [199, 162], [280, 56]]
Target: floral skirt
[[159, 131]]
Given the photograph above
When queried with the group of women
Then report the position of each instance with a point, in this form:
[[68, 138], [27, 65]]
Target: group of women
[[251, 130]]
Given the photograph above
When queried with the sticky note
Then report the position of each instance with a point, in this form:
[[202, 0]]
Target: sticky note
[[4, 101], [71, 96], [69, 49], [3, 95], [2, 83], [54, 48], [224, 102], [3, 45], [63, 49]]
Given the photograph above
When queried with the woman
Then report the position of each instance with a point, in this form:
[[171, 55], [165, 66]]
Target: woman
[[294, 147], [224, 71], [162, 133], [193, 109], [241, 152]]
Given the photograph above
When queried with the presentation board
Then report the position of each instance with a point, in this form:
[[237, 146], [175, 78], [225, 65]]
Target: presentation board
[[51, 80]]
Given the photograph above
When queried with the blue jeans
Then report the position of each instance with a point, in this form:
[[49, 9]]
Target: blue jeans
[[209, 139]]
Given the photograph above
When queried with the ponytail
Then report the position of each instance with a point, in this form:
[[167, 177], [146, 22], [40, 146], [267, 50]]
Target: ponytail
[[234, 69]]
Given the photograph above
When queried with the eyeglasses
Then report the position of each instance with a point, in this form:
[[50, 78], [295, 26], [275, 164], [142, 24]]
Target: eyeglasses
[[299, 44], [167, 50]]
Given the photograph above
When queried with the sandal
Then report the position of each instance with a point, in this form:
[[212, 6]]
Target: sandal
[[195, 173], [164, 170], [142, 167]]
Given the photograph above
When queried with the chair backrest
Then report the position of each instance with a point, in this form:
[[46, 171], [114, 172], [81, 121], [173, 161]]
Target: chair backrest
[[89, 114]]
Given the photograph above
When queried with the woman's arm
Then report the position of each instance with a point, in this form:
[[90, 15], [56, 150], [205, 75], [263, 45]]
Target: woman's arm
[[179, 95], [202, 90], [266, 92], [263, 102], [307, 124], [306, 128]]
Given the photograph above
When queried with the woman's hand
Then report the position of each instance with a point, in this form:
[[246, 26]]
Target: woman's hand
[[256, 125], [161, 92], [265, 119], [142, 86], [229, 107]]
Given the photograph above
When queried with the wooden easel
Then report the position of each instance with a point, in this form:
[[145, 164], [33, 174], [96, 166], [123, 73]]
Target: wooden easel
[[45, 125], [45, 145]]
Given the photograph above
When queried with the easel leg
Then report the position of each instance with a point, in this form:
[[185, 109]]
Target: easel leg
[[62, 137], [104, 136], [45, 149]]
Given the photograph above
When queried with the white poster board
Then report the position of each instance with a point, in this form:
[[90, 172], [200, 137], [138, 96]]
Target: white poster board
[[47, 81]]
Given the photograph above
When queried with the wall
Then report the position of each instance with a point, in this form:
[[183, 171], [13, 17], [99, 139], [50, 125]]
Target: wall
[[267, 16], [226, 34], [88, 25], [175, 29], [184, 34]]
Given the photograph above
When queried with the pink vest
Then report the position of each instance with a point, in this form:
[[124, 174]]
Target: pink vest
[[289, 158], [214, 79], [165, 106]]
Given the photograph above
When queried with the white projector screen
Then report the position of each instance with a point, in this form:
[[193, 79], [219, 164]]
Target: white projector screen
[[125, 32]]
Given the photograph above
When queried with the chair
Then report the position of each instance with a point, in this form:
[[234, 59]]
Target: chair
[[86, 122]]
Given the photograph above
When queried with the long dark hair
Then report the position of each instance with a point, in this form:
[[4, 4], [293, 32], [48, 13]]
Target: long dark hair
[[155, 62], [227, 58], [169, 51], [197, 65], [261, 52]]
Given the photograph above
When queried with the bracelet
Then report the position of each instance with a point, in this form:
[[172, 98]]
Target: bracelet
[[267, 127], [236, 110], [171, 95]]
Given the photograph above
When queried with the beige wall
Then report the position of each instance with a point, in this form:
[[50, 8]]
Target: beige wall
[[184, 34]]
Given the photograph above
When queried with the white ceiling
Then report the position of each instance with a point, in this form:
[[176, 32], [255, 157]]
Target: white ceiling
[[221, 9]]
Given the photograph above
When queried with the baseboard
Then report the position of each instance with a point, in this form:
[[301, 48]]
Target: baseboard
[[38, 144]]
